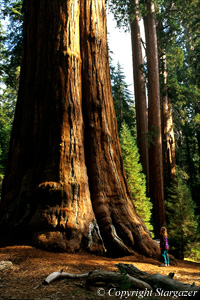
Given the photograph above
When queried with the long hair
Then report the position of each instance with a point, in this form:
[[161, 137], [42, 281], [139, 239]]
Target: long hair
[[163, 231]]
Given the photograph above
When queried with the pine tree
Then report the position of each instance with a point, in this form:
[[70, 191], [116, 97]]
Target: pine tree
[[136, 179], [140, 90], [122, 97], [12, 11], [10, 58], [179, 39], [181, 216]]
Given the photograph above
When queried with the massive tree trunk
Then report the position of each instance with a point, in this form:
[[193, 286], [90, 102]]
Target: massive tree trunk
[[65, 168], [140, 94], [154, 121], [46, 183]]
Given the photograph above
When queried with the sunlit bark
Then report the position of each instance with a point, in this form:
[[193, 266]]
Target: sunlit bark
[[139, 89], [65, 169], [168, 130], [46, 182], [154, 121]]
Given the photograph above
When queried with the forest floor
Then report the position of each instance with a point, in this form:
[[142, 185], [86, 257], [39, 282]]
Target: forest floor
[[24, 268]]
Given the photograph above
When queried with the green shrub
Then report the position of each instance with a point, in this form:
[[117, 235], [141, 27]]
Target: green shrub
[[183, 223], [135, 176]]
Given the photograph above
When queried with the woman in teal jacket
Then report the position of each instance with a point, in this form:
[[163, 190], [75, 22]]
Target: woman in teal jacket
[[164, 246]]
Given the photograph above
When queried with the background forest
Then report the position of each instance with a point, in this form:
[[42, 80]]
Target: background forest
[[178, 45]]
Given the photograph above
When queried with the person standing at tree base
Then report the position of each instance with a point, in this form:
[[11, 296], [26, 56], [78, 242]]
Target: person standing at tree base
[[164, 246]]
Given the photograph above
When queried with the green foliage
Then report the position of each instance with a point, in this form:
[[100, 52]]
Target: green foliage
[[5, 129], [193, 251], [179, 40], [11, 47], [197, 121], [121, 10], [183, 223], [6, 118], [12, 14], [2, 41], [136, 179], [124, 283], [151, 135], [122, 98], [124, 11]]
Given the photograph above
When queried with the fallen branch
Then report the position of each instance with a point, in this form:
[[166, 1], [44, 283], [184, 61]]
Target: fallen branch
[[100, 277], [133, 278], [55, 275], [108, 277], [157, 280]]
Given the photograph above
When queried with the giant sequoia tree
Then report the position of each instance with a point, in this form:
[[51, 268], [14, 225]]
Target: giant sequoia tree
[[65, 171], [140, 93], [156, 184]]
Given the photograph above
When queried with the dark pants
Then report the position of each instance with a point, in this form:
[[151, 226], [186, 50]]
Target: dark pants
[[165, 256]]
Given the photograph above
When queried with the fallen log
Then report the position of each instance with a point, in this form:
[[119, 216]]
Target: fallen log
[[134, 279], [118, 279], [158, 281], [100, 278], [55, 275]]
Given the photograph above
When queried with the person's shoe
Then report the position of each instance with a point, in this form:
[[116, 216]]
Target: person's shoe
[[163, 265]]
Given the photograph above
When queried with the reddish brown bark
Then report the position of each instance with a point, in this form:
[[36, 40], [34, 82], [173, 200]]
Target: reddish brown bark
[[168, 130], [119, 224], [67, 172], [154, 121], [140, 93], [46, 179], [197, 111], [169, 139]]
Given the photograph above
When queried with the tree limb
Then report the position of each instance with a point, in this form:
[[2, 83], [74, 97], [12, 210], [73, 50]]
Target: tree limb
[[158, 280], [133, 277], [107, 277], [55, 275]]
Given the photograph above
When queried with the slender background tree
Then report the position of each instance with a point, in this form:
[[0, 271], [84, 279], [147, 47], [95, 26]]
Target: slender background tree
[[139, 89], [176, 25], [156, 183]]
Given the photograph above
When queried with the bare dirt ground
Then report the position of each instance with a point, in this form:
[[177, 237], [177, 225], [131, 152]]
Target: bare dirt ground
[[24, 268]]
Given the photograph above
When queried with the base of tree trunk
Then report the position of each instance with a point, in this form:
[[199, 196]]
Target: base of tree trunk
[[56, 241], [65, 169]]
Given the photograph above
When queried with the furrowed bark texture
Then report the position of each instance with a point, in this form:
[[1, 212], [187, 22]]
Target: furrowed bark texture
[[140, 94], [197, 111], [154, 121], [46, 180], [167, 130], [116, 216], [65, 168]]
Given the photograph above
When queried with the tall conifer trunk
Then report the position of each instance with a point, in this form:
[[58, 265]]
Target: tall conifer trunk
[[154, 121], [167, 129], [140, 94], [65, 168], [197, 111]]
